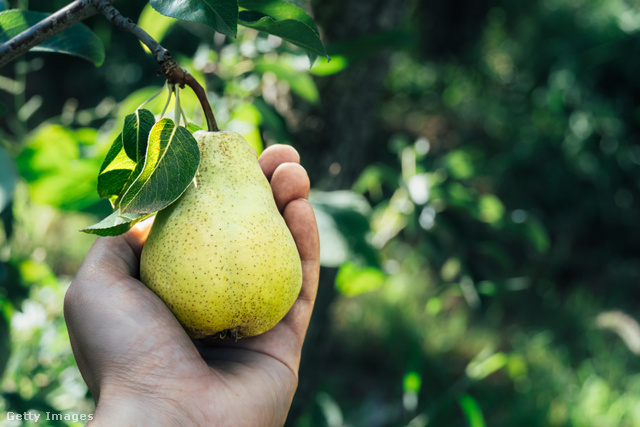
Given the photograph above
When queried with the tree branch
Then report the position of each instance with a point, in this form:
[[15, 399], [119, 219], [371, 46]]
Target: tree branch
[[171, 70], [80, 10], [59, 21], [125, 24]]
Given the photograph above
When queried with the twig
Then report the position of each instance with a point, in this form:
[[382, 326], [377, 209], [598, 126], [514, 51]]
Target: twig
[[57, 22], [80, 10], [125, 24], [170, 68]]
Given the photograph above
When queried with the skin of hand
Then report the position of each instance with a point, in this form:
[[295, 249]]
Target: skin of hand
[[141, 366]]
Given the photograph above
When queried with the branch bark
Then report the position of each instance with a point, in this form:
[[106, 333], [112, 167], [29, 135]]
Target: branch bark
[[59, 21], [82, 9], [125, 24]]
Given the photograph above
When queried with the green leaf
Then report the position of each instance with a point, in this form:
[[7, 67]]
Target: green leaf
[[284, 20], [490, 208], [72, 188], [353, 280], [77, 40], [412, 382], [324, 67], [472, 411], [171, 163], [56, 169], [193, 128], [279, 10], [115, 224], [135, 133], [221, 15], [116, 172]]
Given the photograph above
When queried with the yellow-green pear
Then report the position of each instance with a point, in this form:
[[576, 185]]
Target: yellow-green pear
[[221, 257]]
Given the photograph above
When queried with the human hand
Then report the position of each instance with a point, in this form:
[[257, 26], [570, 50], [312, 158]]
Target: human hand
[[141, 366]]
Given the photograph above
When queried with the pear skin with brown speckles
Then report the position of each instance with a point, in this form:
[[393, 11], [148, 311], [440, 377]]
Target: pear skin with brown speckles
[[221, 257]]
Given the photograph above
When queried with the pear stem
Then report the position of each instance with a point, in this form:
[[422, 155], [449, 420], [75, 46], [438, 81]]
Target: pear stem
[[176, 75]]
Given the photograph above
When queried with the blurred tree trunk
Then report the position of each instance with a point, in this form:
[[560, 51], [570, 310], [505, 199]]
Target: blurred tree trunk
[[344, 130], [337, 140]]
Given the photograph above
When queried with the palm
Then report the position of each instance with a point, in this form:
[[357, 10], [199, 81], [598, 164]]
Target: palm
[[120, 329]]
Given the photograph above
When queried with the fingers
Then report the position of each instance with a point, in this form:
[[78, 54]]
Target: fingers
[[274, 156], [289, 182], [301, 221], [290, 185]]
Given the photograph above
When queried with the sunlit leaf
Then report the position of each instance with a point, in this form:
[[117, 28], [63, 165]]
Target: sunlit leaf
[[221, 15], [34, 272], [53, 165], [460, 164], [154, 23], [491, 209], [353, 280], [171, 163], [485, 364], [324, 67], [41, 157], [193, 128], [472, 411], [246, 119], [116, 171], [412, 382], [77, 40], [115, 224], [280, 10], [71, 188], [135, 133], [517, 366]]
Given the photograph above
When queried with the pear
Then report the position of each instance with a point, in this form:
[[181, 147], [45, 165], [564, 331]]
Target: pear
[[221, 257]]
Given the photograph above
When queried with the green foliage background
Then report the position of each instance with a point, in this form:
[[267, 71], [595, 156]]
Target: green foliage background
[[481, 269]]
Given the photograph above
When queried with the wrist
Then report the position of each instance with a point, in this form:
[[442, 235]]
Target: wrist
[[137, 409]]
